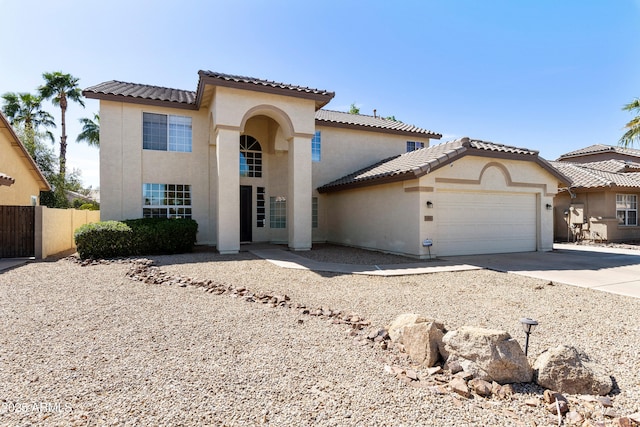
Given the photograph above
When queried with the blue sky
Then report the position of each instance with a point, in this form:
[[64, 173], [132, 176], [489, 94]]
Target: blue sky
[[546, 75]]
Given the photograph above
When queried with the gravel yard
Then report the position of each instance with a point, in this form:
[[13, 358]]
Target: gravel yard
[[86, 345]]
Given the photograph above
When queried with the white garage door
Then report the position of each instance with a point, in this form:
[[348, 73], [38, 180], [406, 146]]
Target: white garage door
[[485, 223]]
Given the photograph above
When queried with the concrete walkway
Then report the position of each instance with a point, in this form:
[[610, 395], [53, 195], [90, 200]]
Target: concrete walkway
[[8, 263], [287, 259]]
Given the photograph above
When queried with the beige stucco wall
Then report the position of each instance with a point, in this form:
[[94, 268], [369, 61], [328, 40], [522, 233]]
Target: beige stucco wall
[[384, 218], [599, 217], [55, 228], [391, 217], [125, 166], [14, 163], [344, 151]]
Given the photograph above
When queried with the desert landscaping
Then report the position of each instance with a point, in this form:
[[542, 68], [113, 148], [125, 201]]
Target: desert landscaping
[[209, 339]]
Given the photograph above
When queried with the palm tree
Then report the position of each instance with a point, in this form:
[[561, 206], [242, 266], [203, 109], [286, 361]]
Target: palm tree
[[60, 88], [90, 131], [633, 133], [26, 109]]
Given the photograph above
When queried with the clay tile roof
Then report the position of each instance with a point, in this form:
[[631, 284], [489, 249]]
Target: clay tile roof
[[260, 82], [342, 119], [420, 162], [614, 165], [141, 93], [600, 148], [585, 176]]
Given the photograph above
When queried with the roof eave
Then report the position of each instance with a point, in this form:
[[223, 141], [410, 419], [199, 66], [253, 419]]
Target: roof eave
[[321, 99], [403, 176], [138, 100], [328, 123], [34, 166]]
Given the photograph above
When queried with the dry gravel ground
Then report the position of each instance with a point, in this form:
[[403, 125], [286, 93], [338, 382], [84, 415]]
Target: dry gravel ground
[[89, 346]]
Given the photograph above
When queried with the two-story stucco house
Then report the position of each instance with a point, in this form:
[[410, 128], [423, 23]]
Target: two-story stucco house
[[258, 161]]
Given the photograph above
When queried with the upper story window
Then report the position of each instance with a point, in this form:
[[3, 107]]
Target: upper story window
[[166, 132], [315, 147], [250, 157], [413, 145], [627, 209]]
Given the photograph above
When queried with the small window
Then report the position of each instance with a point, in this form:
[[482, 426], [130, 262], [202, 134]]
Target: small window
[[315, 147], [314, 212], [627, 209], [278, 212], [413, 145], [166, 200], [166, 133], [250, 157], [260, 207]]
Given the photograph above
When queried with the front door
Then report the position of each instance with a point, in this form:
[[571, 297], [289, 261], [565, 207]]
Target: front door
[[245, 213]]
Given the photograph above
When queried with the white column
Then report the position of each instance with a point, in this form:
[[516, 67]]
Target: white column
[[228, 182], [299, 194]]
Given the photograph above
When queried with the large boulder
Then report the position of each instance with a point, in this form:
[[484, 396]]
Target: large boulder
[[488, 354], [420, 336], [568, 370]]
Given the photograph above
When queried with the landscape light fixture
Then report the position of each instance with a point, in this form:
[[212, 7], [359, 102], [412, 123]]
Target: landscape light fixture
[[429, 204], [528, 325]]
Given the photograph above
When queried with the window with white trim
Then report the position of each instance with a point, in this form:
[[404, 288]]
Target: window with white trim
[[315, 146], [278, 212], [166, 200], [414, 145], [250, 157], [166, 132], [627, 209]]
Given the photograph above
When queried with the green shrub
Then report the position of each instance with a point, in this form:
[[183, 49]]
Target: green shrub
[[163, 235], [145, 236], [106, 239]]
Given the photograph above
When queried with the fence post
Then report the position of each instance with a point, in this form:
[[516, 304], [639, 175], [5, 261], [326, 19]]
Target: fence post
[[38, 233]]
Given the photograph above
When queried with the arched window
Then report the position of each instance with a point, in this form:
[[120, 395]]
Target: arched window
[[250, 157]]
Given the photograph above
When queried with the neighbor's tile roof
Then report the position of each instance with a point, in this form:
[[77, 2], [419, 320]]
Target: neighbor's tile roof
[[420, 162], [6, 179], [141, 92], [586, 176], [614, 165], [600, 148], [342, 119]]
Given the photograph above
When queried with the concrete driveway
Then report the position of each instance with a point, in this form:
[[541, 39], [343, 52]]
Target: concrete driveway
[[606, 269]]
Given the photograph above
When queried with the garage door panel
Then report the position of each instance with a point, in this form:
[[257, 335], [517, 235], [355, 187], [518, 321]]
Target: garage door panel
[[477, 223]]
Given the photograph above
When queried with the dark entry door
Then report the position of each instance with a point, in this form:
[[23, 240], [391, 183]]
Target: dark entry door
[[245, 213]]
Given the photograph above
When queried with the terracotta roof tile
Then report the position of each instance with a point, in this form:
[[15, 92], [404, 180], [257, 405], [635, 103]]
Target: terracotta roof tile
[[261, 82], [600, 148], [360, 120], [583, 176], [142, 92], [419, 162]]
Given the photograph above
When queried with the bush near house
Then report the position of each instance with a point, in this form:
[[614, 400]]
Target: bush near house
[[105, 239], [162, 235], [145, 236]]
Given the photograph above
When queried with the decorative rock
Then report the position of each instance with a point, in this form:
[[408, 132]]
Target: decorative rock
[[453, 365], [533, 402], [489, 354], [574, 417], [565, 369], [459, 386], [411, 374], [560, 404], [605, 401], [421, 341], [480, 387], [551, 396], [625, 422], [434, 370]]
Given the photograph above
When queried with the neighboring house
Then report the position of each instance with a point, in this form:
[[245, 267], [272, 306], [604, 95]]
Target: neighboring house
[[257, 161], [602, 201], [20, 179]]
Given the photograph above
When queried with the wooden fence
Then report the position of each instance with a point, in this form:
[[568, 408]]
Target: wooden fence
[[17, 231]]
